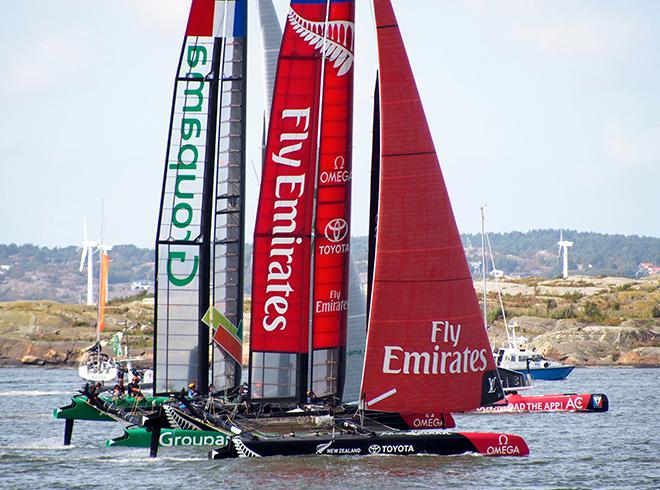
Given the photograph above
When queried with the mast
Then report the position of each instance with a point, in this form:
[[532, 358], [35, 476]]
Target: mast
[[483, 265], [271, 37], [427, 348], [375, 191], [185, 241]]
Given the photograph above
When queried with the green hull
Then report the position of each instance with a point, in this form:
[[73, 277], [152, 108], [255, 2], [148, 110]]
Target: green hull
[[140, 437], [81, 409]]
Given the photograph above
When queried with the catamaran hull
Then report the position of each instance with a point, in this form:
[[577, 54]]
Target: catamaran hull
[[141, 437], [443, 444], [597, 402]]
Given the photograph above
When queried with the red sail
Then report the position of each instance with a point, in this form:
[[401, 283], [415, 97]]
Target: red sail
[[282, 241], [280, 286], [333, 212], [427, 349]]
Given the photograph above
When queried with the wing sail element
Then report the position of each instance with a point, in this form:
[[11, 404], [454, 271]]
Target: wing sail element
[[198, 228], [308, 138]]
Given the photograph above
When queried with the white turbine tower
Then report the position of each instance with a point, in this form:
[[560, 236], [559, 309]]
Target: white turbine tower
[[88, 252], [563, 244]]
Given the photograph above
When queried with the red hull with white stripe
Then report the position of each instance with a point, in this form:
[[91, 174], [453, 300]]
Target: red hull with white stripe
[[515, 403]]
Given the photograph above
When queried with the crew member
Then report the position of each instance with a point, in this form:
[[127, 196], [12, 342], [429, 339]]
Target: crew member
[[93, 393], [119, 389], [134, 387], [243, 393], [192, 390]]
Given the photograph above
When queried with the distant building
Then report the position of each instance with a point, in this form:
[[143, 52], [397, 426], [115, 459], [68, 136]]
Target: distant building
[[475, 265], [647, 269], [141, 285]]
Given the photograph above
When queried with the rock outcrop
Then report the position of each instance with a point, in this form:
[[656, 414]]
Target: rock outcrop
[[574, 342], [50, 333]]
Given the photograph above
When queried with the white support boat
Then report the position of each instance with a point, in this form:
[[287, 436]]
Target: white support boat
[[517, 357]]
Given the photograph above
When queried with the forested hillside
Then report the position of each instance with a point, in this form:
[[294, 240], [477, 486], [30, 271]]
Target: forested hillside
[[536, 252], [32, 272]]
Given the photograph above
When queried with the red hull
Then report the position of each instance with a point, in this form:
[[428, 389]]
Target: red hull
[[515, 403]]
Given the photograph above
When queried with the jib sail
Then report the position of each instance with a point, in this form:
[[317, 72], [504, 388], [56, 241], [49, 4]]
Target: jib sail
[[427, 349]]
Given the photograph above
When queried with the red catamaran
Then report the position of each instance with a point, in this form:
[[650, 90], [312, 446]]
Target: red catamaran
[[427, 350]]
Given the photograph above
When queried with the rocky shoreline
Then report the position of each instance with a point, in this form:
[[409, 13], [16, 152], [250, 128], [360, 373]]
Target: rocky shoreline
[[594, 322], [572, 342], [47, 333]]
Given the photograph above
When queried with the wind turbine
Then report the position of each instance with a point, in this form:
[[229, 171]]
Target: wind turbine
[[563, 244], [88, 252]]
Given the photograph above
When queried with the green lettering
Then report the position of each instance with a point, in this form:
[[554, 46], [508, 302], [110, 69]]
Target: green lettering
[[187, 165], [194, 53], [190, 125], [181, 257], [177, 191], [186, 208], [198, 92]]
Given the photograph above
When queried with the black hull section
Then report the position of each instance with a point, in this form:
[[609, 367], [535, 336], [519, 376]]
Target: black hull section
[[442, 444]]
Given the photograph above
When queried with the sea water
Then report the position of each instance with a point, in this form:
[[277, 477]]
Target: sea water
[[617, 449]]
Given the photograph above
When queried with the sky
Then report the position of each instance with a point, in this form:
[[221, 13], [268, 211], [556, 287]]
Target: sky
[[548, 112]]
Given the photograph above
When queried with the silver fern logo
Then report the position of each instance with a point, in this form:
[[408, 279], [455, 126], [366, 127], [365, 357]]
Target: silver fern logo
[[337, 44]]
